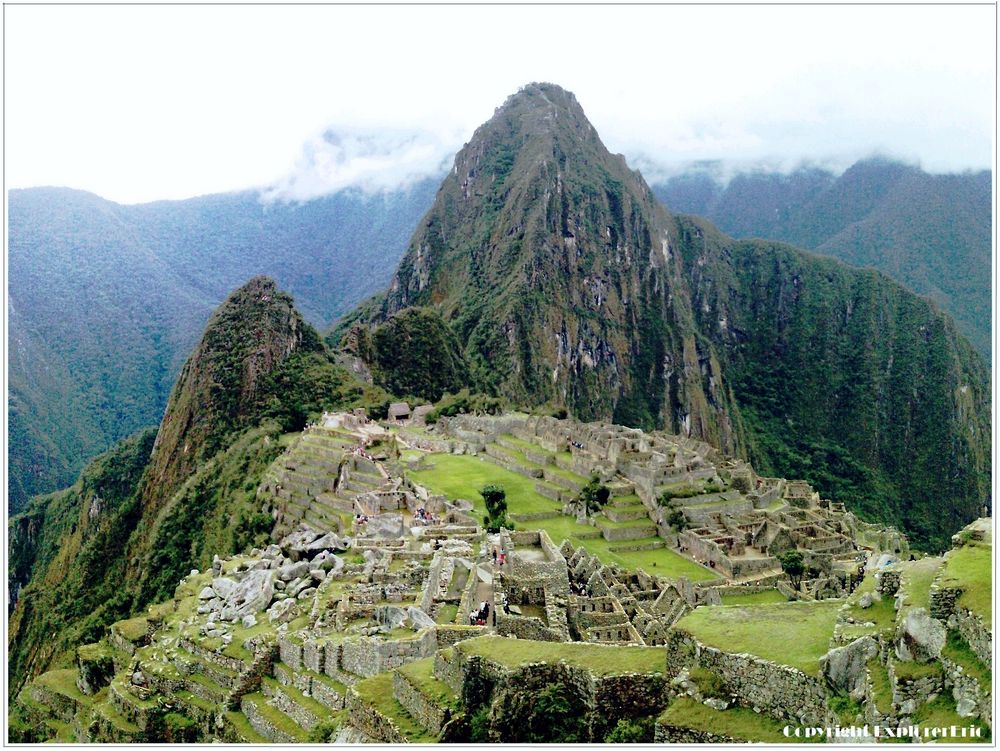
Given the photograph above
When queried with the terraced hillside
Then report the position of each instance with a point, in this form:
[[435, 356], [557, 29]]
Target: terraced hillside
[[380, 614]]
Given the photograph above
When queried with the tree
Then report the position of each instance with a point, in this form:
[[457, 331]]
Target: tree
[[676, 518], [495, 498], [793, 565], [593, 496]]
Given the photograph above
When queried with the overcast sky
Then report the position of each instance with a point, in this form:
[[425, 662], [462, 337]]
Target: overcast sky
[[138, 103]]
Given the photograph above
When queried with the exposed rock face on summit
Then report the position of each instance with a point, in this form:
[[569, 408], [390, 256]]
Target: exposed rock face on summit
[[567, 283]]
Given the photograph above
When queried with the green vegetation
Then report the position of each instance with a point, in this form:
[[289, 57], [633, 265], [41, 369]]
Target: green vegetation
[[594, 495], [793, 633], [912, 671], [495, 499], [461, 476], [755, 598], [135, 524], [930, 232], [792, 564], [881, 687], [632, 731], [421, 674], [598, 658], [415, 353], [958, 650], [941, 713], [463, 403], [547, 715], [970, 568], [735, 722], [378, 692]]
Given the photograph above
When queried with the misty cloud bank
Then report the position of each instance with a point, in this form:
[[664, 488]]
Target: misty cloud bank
[[373, 160]]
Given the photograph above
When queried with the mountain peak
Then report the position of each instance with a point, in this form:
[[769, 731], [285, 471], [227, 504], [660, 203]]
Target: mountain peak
[[248, 336]]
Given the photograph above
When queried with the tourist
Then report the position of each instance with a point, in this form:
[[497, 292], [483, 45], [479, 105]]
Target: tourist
[[494, 556]]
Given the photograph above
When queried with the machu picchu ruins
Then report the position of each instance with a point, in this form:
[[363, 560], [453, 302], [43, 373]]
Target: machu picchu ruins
[[388, 608]]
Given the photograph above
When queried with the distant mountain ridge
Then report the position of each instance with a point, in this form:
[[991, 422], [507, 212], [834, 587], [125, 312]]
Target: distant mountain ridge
[[930, 232], [106, 301]]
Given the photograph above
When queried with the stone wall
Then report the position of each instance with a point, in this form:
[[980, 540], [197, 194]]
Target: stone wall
[[368, 656], [975, 632], [430, 716], [371, 722], [670, 734], [971, 698], [780, 691]]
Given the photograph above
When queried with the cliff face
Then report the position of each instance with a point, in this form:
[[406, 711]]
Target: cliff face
[[567, 283]]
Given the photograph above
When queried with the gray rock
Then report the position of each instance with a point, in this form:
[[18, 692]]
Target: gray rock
[[845, 667], [272, 551], [718, 704], [206, 594], [386, 526], [920, 637], [389, 617], [317, 574], [328, 541], [866, 601], [297, 586], [306, 593], [279, 585], [224, 587], [283, 611], [249, 621], [965, 706], [418, 618], [293, 571], [138, 679], [194, 572]]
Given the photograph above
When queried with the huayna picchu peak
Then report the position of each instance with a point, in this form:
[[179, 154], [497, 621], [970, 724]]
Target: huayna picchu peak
[[587, 471], [568, 284]]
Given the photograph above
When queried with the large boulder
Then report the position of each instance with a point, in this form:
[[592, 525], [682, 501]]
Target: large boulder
[[920, 637], [295, 542], [253, 594], [291, 571], [283, 611], [845, 667], [418, 618], [224, 587], [385, 526], [389, 617]]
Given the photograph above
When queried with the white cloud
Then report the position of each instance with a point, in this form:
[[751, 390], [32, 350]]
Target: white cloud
[[143, 102], [370, 159]]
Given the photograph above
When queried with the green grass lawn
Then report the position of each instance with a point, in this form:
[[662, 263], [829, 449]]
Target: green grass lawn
[[941, 713], [970, 567], [600, 659], [916, 580], [755, 598], [462, 476], [792, 633], [881, 686], [736, 722]]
